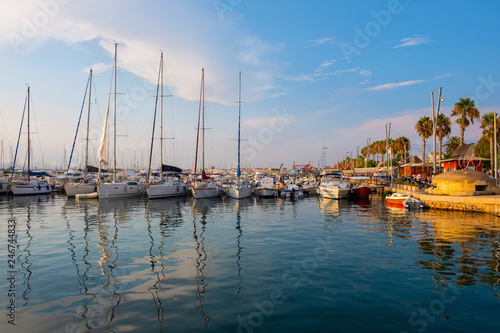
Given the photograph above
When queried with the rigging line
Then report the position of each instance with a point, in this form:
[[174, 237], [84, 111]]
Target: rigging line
[[154, 120], [78, 124], [18, 138]]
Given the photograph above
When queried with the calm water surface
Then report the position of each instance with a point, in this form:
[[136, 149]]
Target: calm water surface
[[214, 265]]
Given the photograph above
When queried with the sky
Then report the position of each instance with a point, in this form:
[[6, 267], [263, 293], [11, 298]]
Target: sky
[[318, 79]]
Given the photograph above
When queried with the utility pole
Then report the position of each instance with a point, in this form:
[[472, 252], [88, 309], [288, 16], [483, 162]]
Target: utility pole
[[367, 152], [387, 135], [495, 150], [435, 117], [324, 155]]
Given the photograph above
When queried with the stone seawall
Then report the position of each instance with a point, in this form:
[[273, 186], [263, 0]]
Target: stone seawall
[[480, 203]]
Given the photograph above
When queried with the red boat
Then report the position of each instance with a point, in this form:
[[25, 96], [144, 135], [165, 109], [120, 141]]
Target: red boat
[[361, 191]]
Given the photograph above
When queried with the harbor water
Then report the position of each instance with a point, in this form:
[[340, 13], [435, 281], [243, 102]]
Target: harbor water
[[253, 265]]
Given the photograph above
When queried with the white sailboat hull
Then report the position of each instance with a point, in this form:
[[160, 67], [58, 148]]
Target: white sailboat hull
[[166, 190], [120, 190], [200, 191], [74, 189], [239, 192], [31, 188]]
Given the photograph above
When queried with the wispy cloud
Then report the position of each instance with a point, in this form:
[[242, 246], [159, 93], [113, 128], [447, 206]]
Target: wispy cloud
[[98, 68], [413, 41], [442, 76], [322, 41], [327, 63], [365, 73], [320, 74], [387, 86]]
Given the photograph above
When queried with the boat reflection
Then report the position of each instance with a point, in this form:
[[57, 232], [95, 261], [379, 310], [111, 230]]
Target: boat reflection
[[450, 244], [329, 207], [201, 209], [396, 209], [157, 261], [237, 207], [363, 203]]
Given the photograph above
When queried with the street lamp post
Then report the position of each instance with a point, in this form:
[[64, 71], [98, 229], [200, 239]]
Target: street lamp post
[[387, 136], [435, 117]]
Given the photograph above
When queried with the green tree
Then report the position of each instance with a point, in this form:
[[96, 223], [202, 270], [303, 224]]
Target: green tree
[[402, 146], [487, 122], [451, 145], [443, 129], [466, 112], [424, 130]]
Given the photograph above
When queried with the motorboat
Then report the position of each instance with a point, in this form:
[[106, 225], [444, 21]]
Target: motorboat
[[267, 188], [397, 198], [292, 191], [361, 191], [333, 186]]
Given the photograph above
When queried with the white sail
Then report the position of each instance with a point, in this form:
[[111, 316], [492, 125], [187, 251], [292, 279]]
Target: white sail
[[103, 150], [103, 147]]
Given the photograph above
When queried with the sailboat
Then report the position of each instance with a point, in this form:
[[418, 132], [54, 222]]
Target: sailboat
[[86, 185], [29, 187], [239, 190], [114, 189], [203, 188], [171, 187]]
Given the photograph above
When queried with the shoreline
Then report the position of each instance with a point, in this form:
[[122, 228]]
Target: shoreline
[[480, 203]]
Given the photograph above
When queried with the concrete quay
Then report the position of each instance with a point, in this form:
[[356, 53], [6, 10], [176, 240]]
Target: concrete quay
[[477, 203]]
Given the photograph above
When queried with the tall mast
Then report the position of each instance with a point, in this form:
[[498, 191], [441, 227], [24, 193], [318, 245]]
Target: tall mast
[[29, 143], [238, 173], [203, 119], [88, 126], [114, 121], [154, 119], [198, 130], [161, 113]]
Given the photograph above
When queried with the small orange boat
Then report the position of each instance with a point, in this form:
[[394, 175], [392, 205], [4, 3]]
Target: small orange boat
[[397, 198]]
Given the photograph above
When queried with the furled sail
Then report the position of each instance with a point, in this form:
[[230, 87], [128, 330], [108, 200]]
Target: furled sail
[[103, 149]]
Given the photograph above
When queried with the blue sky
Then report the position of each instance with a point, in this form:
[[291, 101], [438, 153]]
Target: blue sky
[[325, 73]]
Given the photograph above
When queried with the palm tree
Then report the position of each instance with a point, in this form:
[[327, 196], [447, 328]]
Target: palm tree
[[402, 146], [443, 128], [392, 147], [424, 130], [487, 123], [466, 112], [380, 144], [375, 149], [451, 144]]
